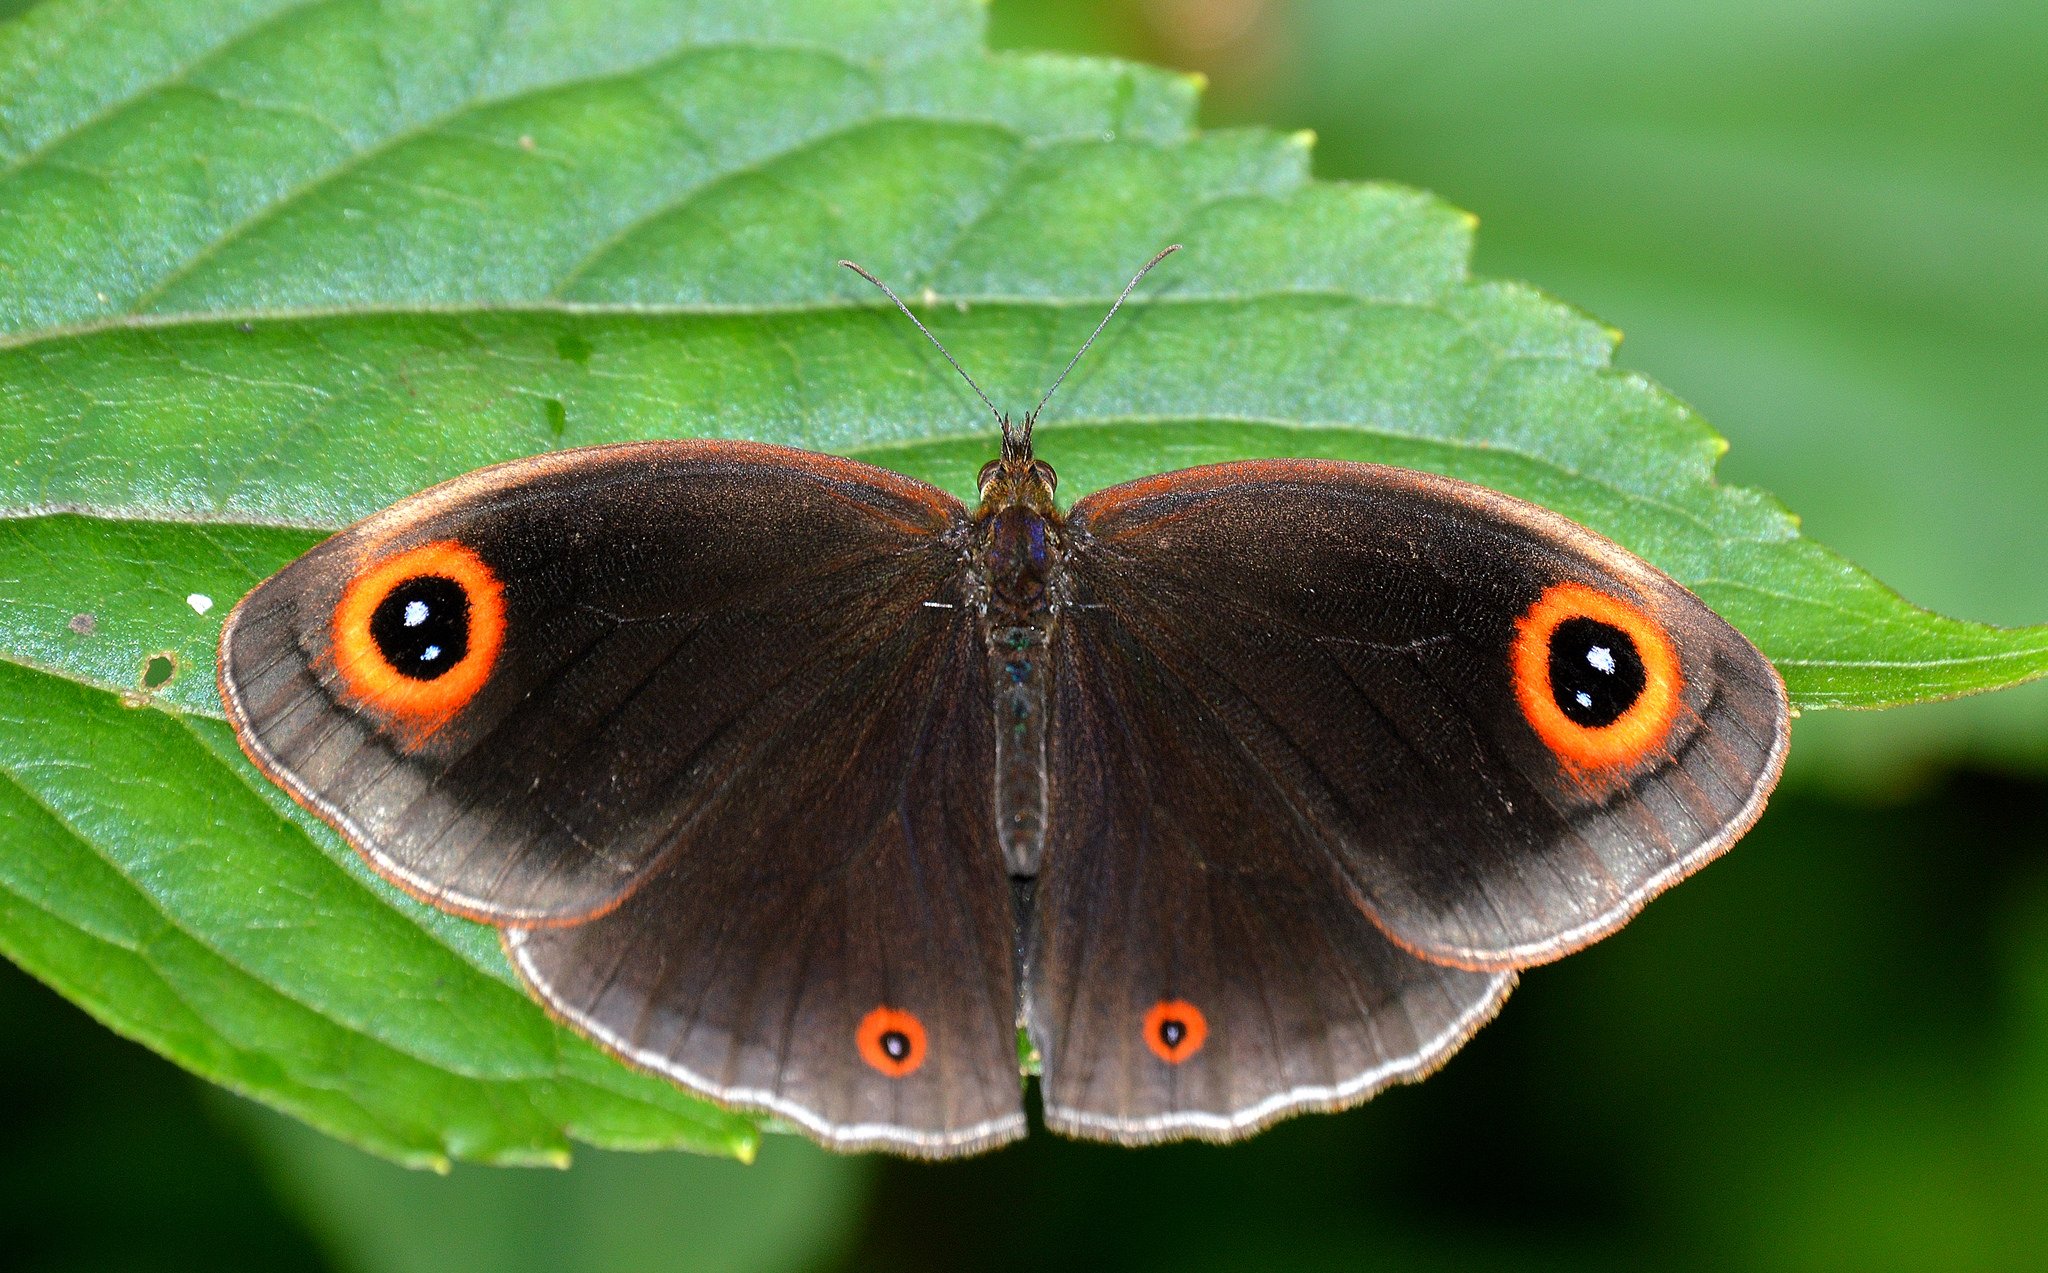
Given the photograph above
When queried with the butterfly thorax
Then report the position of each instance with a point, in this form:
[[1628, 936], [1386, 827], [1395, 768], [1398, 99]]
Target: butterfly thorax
[[1018, 542]]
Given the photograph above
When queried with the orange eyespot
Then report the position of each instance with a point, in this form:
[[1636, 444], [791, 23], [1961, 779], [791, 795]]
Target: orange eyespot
[[1596, 677], [1175, 1030], [892, 1041], [415, 635]]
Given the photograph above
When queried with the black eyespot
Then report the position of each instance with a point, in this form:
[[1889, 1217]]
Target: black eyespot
[[896, 1044], [1596, 672], [1172, 1031], [421, 627]]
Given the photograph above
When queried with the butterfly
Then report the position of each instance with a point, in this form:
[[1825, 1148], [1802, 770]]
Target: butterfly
[[1230, 792]]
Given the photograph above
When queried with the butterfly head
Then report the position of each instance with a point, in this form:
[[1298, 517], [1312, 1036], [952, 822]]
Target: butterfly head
[[1016, 477]]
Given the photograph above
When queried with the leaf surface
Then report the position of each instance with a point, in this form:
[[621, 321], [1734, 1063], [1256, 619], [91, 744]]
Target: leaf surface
[[269, 266]]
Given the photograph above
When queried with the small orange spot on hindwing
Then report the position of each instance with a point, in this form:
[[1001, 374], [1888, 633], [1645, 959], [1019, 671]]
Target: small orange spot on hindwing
[[1175, 1030], [892, 1041], [415, 635], [1596, 677]]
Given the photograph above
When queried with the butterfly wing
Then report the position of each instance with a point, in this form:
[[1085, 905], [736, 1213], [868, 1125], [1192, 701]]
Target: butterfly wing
[[1197, 965], [1320, 776], [704, 725], [821, 946], [1508, 732]]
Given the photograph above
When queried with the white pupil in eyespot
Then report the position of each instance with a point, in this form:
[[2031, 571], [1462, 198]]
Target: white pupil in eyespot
[[429, 654], [416, 614], [1599, 656], [1585, 699]]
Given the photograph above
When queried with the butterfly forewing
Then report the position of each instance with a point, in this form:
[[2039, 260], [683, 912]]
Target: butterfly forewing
[[1504, 733]]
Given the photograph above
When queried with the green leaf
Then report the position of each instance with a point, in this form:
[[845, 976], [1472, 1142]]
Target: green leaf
[[271, 265]]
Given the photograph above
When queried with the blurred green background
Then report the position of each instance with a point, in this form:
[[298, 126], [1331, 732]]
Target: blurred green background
[[1825, 224]]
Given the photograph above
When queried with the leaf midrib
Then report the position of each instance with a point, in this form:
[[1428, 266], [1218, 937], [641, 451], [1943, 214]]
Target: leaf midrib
[[873, 453]]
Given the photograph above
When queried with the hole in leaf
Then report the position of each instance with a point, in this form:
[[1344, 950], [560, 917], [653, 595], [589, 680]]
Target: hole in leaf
[[558, 416], [158, 670]]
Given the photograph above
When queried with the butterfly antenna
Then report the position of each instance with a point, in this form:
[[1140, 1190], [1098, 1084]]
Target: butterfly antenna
[[1001, 419], [1031, 416]]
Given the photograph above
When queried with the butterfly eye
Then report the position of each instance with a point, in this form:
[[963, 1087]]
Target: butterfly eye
[[988, 470], [1595, 676], [1046, 475], [415, 635], [1175, 1030], [892, 1041]]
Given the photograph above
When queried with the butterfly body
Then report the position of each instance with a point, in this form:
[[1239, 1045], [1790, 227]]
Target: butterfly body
[[1019, 542]]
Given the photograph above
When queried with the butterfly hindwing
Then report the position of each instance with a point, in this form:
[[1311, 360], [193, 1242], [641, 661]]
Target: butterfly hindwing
[[820, 945], [1198, 967]]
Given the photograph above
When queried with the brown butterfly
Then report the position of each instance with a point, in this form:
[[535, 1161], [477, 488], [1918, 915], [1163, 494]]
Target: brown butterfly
[[1239, 790]]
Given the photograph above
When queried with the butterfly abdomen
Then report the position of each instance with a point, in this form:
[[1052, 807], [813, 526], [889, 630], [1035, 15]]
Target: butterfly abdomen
[[1018, 545]]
